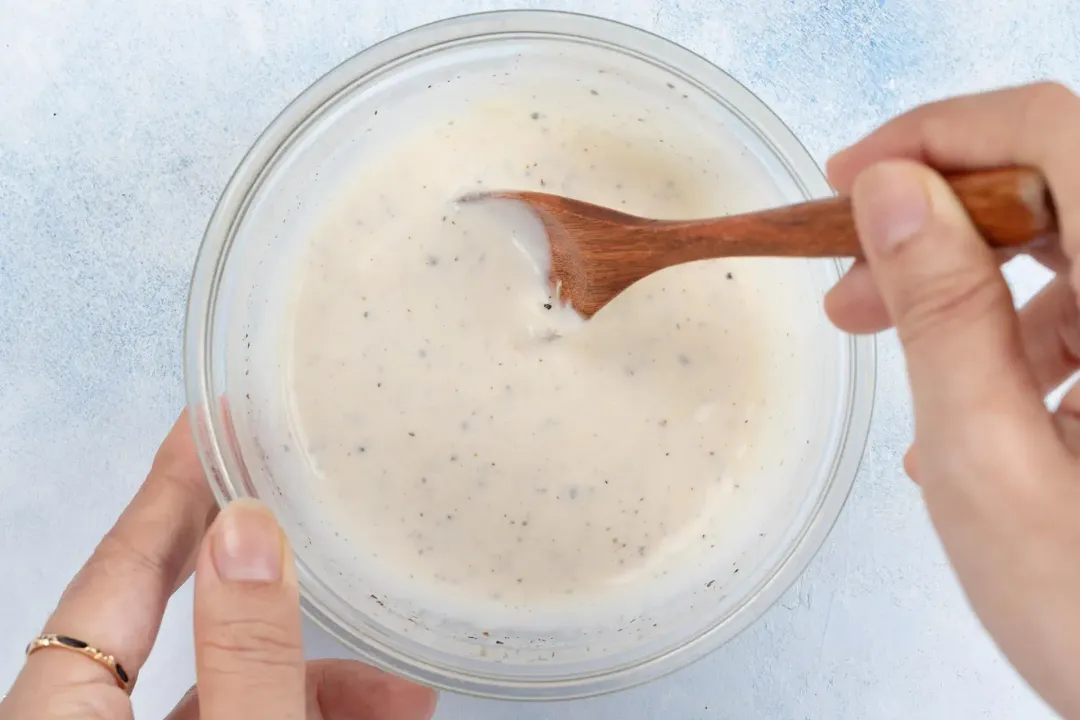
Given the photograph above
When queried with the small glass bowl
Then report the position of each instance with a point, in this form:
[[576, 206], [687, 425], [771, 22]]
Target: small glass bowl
[[235, 332]]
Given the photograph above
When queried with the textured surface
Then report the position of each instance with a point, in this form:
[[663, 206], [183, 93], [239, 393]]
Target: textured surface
[[120, 121]]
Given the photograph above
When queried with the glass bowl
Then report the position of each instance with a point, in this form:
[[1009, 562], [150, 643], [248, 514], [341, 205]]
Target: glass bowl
[[237, 383]]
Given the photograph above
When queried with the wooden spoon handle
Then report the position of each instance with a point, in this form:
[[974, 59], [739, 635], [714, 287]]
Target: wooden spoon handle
[[1010, 206]]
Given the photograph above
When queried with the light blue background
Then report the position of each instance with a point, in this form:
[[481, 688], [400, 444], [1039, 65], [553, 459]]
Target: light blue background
[[120, 122]]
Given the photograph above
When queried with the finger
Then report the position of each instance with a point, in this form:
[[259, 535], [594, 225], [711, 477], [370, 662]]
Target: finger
[[346, 690], [953, 313], [1032, 125], [854, 304], [248, 646], [116, 602], [187, 708], [1050, 332]]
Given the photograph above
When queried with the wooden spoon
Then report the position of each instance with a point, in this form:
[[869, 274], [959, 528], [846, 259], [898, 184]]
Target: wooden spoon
[[596, 252]]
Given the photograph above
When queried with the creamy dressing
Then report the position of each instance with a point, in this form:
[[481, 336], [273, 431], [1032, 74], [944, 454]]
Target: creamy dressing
[[473, 441]]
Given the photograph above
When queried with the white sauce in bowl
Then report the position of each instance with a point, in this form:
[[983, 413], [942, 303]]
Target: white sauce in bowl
[[474, 449]]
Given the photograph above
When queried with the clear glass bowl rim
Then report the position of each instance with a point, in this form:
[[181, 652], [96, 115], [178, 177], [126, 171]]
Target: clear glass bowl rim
[[206, 412]]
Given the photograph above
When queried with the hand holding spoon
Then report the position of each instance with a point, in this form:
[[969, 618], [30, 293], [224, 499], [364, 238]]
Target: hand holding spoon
[[596, 252]]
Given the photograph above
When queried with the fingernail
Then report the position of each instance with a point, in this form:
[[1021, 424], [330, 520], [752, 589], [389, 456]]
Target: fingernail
[[890, 205], [247, 544]]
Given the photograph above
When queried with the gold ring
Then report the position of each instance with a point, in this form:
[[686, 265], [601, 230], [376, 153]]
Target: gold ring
[[69, 643]]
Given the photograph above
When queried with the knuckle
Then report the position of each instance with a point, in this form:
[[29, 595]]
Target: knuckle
[[937, 129], [184, 479], [944, 303], [117, 558], [182, 473], [177, 462], [237, 646], [118, 549], [1051, 98], [1049, 107]]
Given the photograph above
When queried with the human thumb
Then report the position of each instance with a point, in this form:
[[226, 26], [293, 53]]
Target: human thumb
[[248, 645], [946, 296]]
